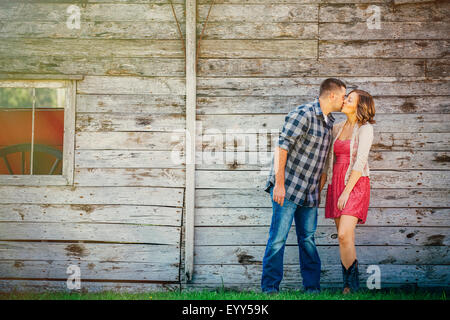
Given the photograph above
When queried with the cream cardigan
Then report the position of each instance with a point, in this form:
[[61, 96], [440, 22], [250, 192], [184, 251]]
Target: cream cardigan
[[361, 141]]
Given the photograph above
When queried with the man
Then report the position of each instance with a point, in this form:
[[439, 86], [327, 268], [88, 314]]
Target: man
[[293, 184]]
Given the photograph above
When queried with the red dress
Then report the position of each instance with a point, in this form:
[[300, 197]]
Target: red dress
[[358, 200]]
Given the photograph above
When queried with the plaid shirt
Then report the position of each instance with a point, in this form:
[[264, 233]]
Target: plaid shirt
[[307, 137]]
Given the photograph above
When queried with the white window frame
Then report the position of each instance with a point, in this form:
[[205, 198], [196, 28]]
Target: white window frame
[[66, 178]]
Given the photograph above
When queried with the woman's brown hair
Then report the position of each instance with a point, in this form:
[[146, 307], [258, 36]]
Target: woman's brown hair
[[365, 110]]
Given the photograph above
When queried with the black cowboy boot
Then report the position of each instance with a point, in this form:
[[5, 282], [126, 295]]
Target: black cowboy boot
[[345, 276], [353, 276]]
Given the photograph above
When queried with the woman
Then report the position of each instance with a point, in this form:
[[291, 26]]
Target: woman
[[348, 194]]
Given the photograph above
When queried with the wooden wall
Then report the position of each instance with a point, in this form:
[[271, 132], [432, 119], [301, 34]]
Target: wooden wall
[[261, 59], [122, 221]]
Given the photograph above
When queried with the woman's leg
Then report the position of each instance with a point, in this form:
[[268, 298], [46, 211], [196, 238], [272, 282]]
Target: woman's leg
[[346, 236]]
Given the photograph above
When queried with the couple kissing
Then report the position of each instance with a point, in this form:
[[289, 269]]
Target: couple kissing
[[311, 151]]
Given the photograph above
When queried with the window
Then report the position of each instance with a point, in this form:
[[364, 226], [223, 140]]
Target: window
[[37, 127]]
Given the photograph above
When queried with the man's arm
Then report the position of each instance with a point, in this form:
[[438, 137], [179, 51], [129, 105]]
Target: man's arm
[[280, 164], [295, 126]]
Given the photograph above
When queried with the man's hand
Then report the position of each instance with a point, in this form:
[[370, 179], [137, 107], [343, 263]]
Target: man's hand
[[323, 180], [278, 194]]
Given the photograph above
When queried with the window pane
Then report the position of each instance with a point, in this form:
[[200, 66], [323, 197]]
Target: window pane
[[50, 98], [15, 130], [48, 130]]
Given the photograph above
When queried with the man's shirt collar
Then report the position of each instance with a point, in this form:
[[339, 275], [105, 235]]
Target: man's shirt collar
[[319, 110]]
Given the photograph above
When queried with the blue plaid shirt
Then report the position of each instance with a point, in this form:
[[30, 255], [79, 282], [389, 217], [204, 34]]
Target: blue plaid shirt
[[307, 138]]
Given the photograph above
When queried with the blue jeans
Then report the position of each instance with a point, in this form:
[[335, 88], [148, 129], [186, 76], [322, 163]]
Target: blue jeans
[[305, 226]]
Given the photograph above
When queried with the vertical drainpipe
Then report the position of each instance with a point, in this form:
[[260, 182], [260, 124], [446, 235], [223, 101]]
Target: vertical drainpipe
[[191, 97]]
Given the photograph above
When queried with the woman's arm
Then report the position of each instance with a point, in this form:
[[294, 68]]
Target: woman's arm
[[323, 177], [362, 156]]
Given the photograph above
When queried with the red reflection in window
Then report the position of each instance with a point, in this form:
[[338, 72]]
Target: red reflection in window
[[15, 129]]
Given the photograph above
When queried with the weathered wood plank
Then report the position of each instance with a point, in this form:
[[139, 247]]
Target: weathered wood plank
[[379, 198], [284, 104], [33, 83], [130, 177], [379, 160], [383, 48], [401, 141], [378, 179], [51, 269], [69, 128], [86, 286], [155, 104], [129, 159], [251, 123], [149, 141], [357, 12], [438, 275], [114, 66], [104, 232], [271, 12], [388, 30], [129, 122], [239, 179], [438, 68], [131, 85], [91, 47], [93, 213], [234, 141], [92, 252], [291, 286], [202, 2], [311, 67], [409, 160], [326, 235], [91, 12], [260, 1], [191, 129], [258, 49], [92, 195], [92, 29], [255, 122], [119, 1], [260, 30], [385, 86], [31, 76], [329, 255], [262, 216]]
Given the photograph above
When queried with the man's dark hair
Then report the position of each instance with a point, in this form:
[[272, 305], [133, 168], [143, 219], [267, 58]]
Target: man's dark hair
[[330, 84]]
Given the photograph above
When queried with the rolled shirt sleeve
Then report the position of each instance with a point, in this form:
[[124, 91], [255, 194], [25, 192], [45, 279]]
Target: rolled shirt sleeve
[[295, 126], [364, 145]]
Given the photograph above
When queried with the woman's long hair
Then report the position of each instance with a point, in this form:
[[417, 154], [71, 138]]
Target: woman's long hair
[[365, 111]]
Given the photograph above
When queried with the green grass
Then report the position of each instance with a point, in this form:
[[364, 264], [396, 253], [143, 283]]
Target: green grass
[[328, 294]]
